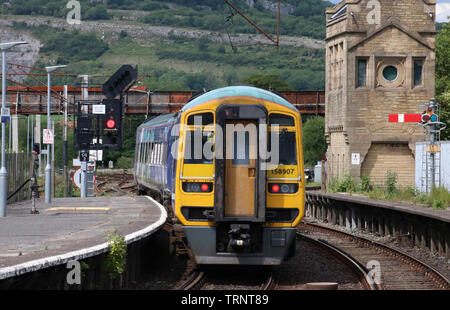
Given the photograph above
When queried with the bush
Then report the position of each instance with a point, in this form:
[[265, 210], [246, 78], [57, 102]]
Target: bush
[[438, 205], [124, 163], [346, 185], [440, 194], [115, 261], [391, 181], [365, 183]]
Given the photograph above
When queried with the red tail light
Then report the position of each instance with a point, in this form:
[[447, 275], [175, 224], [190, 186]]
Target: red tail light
[[275, 188], [205, 187]]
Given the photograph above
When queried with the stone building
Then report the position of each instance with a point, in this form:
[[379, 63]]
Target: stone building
[[380, 60]]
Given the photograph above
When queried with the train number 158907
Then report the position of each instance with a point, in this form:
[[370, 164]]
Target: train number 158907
[[283, 171]]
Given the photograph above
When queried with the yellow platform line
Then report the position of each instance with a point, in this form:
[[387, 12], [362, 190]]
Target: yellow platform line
[[78, 209]]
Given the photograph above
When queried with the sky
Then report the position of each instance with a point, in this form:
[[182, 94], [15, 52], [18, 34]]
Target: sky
[[442, 10]]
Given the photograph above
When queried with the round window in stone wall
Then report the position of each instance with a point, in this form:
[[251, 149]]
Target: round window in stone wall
[[390, 73]]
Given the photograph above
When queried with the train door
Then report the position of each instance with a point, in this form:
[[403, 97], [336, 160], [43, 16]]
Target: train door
[[240, 169], [240, 181]]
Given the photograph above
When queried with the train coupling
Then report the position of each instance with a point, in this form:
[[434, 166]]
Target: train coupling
[[239, 237]]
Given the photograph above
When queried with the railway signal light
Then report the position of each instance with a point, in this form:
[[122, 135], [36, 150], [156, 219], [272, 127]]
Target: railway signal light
[[111, 123], [36, 152], [123, 79], [36, 149], [429, 116]]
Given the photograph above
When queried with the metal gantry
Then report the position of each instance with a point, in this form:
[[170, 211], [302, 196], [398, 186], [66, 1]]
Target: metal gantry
[[431, 158]]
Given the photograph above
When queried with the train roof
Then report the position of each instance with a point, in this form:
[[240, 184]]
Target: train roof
[[234, 91], [159, 120]]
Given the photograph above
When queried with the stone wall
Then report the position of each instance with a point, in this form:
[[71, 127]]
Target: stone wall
[[387, 35]]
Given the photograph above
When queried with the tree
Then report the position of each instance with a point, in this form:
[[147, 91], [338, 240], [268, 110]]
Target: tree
[[314, 142], [268, 82], [443, 76]]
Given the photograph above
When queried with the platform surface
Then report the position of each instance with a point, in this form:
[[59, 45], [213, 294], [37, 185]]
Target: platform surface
[[72, 225]]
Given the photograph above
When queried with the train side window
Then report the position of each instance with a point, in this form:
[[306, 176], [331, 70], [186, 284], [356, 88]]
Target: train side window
[[139, 160], [158, 162], [202, 119], [281, 120], [152, 153], [194, 154], [287, 150]]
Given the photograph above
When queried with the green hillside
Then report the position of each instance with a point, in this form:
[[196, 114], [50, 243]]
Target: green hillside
[[174, 61]]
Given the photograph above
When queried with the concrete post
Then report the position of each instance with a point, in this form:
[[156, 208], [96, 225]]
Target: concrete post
[[15, 133], [85, 96], [48, 167], [65, 149], [37, 134], [3, 172]]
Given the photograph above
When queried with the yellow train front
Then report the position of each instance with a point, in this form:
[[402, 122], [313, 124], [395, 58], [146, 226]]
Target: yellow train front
[[239, 188]]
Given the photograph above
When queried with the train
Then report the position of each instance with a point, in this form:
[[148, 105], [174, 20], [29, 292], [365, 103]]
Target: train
[[229, 165]]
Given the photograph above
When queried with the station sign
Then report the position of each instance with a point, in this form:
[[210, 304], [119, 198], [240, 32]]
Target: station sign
[[5, 115], [356, 158], [76, 178], [77, 163], [48, 136], [99, 109]]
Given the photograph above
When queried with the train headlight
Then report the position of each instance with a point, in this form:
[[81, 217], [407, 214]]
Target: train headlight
[[197, 187], [285, 188]]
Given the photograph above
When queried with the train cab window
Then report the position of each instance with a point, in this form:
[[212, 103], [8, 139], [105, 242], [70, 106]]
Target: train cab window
[[281, 120], [287, 150], [195, 152], [203, 119], [241, 153]]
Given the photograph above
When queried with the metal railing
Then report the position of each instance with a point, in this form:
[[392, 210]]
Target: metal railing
[[19, 171]]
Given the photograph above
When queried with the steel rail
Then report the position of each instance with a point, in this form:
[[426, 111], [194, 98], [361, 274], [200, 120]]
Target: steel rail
[[196, 278], [347, 259], [431, 273]]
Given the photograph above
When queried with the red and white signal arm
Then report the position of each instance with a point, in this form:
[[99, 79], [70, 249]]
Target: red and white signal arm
[[405, 118]]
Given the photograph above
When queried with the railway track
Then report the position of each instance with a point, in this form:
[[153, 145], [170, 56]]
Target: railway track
[[223, 279], [115, 184], [359, 270], [387, 268]]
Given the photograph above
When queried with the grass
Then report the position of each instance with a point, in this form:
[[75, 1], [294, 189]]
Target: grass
[[438, 199]]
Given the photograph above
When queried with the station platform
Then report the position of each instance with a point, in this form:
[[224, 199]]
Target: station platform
[[71, 229]]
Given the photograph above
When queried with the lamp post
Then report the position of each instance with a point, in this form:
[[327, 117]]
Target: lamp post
[[48, 168], [3, 173]]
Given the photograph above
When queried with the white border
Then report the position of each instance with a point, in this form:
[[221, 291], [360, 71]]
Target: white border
[[31, 266]]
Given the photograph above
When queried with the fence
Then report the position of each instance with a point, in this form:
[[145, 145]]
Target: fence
[[18, 167]]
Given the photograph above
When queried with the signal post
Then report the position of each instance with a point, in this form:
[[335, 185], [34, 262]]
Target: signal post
[[99, 123]]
